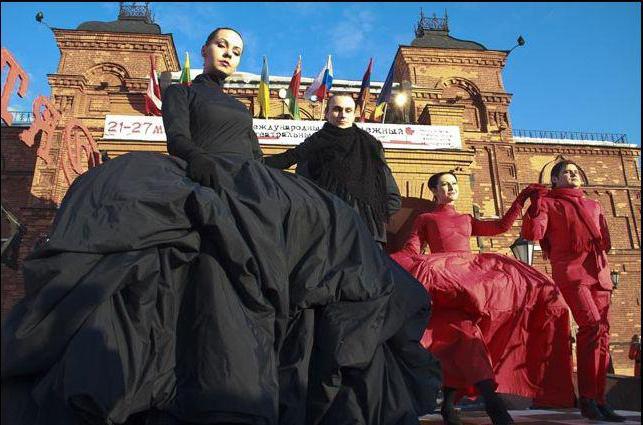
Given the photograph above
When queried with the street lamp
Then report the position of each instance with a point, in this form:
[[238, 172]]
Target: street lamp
[[523, 250], [282, 95], [519, 43], [400, 99], [40, 18], [615, 275], [404, 100]]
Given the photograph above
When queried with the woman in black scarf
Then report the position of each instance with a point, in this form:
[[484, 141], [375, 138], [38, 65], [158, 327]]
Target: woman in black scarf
[[349, 162], [204, 287]]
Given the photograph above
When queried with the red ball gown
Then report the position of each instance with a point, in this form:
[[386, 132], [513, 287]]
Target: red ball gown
[[493, 317]]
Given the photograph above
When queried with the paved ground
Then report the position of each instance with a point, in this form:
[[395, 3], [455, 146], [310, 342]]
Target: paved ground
[[535, 417]]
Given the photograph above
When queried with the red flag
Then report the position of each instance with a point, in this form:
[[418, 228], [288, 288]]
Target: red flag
[[293, 92], [153, 93]]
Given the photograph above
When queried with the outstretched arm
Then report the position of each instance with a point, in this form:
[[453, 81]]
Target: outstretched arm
[[501, 225], [535, 221], [301, 153], [282, 160]]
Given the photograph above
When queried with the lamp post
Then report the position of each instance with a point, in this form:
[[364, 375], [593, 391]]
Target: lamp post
[[523, 250], [282, 95], [403, 100], [615, 276], [40, 18], [400, 101], [313, 99], [519, 43]]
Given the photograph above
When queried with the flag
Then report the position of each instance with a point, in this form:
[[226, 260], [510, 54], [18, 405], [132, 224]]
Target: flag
[[185, 79], [264, 90], [385, 95], [323, 82], [363, 91], [378, 112], [293, 91], [153, 93]]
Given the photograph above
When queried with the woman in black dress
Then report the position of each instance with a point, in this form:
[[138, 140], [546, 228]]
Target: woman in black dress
[[205, 287]]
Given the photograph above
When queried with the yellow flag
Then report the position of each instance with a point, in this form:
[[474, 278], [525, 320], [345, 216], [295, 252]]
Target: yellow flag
[[264, 90]]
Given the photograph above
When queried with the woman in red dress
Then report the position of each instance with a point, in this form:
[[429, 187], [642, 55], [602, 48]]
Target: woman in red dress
[[497, 324], [635, 354]]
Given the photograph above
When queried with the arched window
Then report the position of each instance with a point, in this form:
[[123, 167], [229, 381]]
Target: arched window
[[107, 75], [545, 173], [460, 91]]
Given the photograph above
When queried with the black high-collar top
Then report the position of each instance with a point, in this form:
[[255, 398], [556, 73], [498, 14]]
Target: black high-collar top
[[202, 119]]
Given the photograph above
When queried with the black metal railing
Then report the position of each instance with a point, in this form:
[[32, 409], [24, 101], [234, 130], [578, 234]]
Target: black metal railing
[[571, 135], [431, 24], [129, 11], [21, 118]]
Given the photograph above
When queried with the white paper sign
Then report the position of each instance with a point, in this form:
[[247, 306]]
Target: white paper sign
[[397, 136], [293, 132], [129, 127]]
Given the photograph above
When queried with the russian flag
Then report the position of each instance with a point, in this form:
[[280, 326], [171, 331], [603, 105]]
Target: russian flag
[[322, 84]]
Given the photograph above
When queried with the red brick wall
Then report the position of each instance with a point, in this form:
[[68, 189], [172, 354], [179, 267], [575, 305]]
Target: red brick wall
[[17, 175]]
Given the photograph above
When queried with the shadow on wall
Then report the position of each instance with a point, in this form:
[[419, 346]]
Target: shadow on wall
[[401, 223], [25, 218]]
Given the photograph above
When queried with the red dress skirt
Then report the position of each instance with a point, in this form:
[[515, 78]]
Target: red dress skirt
[[493, 317]]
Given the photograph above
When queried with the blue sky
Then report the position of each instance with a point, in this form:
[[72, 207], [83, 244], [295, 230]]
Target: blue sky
[[580, 69]]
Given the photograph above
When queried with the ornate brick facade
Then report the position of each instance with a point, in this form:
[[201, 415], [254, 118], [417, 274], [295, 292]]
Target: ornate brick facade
[[106, 73]]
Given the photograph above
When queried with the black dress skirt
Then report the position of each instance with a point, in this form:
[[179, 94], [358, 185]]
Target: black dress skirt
[[263, 301]]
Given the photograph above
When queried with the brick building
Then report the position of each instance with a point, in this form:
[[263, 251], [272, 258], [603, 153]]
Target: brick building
[[104, 69]]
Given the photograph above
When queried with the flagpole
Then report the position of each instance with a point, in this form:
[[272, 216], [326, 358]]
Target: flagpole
[[321, 115], [384, 115], [363, 111]]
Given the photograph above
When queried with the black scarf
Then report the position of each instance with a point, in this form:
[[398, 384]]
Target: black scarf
[[348, 162]]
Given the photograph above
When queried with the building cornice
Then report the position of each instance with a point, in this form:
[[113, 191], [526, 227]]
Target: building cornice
[[119, 42]]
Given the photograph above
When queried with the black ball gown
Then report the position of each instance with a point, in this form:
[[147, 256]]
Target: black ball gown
[[262, 301]]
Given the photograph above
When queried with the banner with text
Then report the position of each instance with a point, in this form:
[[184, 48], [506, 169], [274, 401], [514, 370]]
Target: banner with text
[[129, 127], [395, 136], [292, 132]]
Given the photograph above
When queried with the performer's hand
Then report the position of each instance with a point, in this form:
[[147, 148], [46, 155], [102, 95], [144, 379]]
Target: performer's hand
[[533, 192], [201, 169]]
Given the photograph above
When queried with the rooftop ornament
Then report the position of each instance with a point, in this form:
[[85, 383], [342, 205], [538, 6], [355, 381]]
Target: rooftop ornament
[[431, 24], [135, 12]]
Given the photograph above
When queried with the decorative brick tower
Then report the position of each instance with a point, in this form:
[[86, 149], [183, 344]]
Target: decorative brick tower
[[104, 69]]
